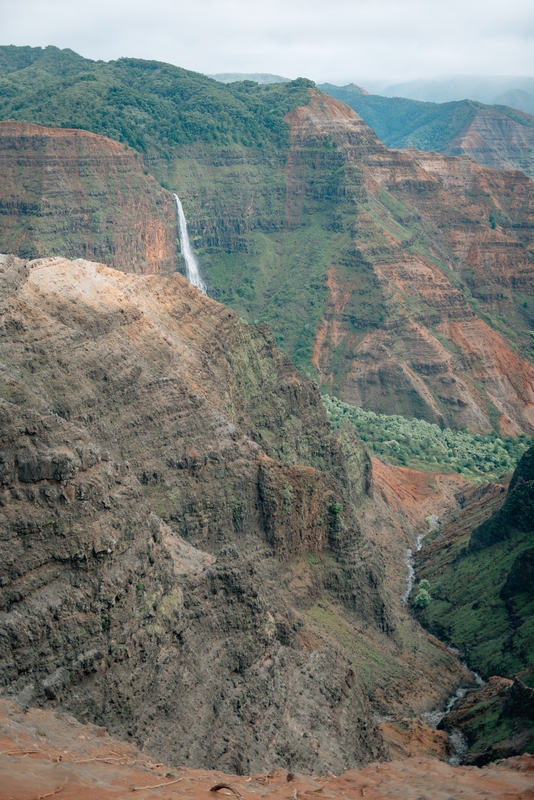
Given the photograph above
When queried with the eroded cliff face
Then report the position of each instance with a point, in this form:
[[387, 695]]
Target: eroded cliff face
[[74, 193], [439, 247], [186, 556], [494, 140]]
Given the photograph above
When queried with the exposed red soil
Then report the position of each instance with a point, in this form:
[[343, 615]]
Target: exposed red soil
[[45, 754], [417, 494]]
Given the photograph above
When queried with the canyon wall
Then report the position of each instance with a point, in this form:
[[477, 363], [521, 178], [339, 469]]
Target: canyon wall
[[189, 557], [73, 193], [402, 279], [427, 252]]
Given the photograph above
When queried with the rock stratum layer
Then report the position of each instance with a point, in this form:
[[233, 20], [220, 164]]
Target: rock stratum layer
[[494, 136], [187, 552], [403, 278], [73, 193]]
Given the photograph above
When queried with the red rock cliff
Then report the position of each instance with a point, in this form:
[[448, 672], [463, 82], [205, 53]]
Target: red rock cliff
[[74, 193], [440, 262]]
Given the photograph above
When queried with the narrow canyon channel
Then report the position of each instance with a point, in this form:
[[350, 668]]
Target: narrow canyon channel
[[458, 741]]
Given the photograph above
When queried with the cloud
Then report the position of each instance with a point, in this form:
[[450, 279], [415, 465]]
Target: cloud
[[338, 39]]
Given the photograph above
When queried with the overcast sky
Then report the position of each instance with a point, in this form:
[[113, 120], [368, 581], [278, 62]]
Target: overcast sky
[[336, 40]]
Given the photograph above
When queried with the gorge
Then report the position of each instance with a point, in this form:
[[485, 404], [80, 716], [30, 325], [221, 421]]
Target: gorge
[[199, 552]]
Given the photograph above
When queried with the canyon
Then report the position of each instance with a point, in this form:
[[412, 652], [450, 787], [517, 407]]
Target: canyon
[[375, 268], [191, 557]]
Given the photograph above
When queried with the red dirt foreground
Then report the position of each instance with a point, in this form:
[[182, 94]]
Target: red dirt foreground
[[46, 754]]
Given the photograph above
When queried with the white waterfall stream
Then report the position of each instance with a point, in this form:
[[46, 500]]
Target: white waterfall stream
[[191, 266]]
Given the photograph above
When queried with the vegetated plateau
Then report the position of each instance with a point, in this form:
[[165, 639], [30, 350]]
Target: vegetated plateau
[[419, 444]]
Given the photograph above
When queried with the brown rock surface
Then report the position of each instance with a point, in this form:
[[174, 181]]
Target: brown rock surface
[[496, 141], [43, 752], [71, 192], [188, 555]]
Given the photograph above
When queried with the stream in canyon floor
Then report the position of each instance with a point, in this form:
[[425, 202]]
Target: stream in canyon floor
[[191, 266], [458, 741]]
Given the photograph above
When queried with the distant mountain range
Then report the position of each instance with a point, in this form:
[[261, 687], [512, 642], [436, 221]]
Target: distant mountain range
[[495, 136], [505, 90]]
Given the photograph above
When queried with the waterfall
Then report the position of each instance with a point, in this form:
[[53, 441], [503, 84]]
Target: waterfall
[[191, 266]]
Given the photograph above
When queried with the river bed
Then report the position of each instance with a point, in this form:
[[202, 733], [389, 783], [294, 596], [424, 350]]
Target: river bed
[[457, 739]]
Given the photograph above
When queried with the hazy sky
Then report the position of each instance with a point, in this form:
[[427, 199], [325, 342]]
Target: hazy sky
[[337, 40]]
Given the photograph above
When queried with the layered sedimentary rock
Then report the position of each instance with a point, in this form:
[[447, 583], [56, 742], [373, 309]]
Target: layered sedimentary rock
[[77, 194], [437, 245], [185, 553], [497, 141]]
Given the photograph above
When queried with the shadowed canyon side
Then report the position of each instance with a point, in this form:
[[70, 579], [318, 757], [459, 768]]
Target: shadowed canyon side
[[480, 573], [441, 247], [189, 556], [70, 192]]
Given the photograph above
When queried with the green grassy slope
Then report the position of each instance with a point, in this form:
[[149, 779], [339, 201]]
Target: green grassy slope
[[482, 585]]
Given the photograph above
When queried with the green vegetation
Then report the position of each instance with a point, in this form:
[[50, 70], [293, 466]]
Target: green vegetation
[[481, 582], [422, 598], [400, 122], [149, 105], [422, 445], [271, 254]]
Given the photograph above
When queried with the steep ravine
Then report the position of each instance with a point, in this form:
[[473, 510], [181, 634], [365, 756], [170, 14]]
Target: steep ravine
[[189, 556], [478, 570]]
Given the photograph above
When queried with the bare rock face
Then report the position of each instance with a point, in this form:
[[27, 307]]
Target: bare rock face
[[189, 556], [437, 245], [71, 192]]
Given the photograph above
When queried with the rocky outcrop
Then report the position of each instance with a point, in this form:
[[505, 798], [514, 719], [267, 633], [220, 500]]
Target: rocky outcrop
[[70, 192], [185, 553]]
